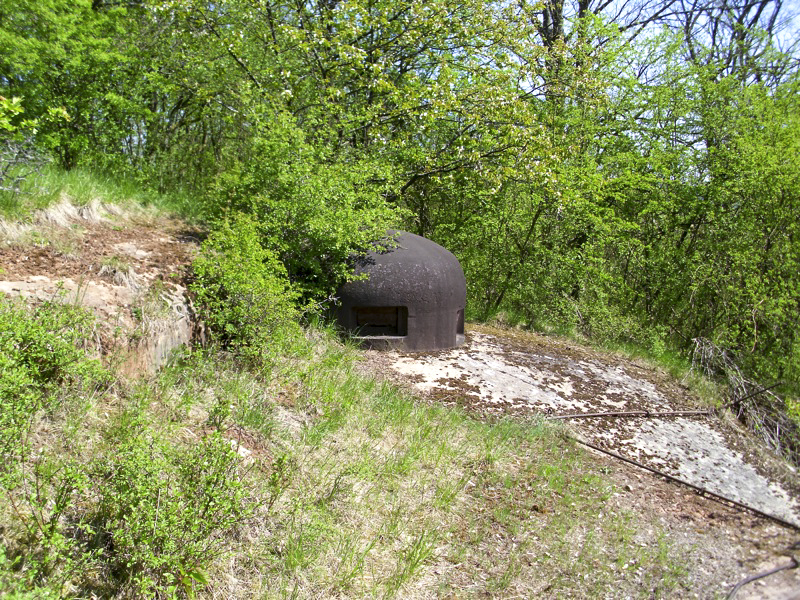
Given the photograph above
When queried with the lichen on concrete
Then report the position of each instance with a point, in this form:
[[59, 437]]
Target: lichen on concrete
[[496, 376]]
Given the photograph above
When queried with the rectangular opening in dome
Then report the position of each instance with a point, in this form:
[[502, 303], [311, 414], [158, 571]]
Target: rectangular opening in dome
[[382, 320]]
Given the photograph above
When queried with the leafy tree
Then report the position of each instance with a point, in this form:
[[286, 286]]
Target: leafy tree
[[587, 168], [702, 169], [60, 55], [242, 290]]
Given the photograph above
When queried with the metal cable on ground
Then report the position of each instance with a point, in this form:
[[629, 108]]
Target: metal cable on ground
[[793, 565], [679, 413], [699, 489], [633, 413]]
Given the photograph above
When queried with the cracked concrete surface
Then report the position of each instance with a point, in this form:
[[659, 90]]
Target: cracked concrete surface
[[501, 376]]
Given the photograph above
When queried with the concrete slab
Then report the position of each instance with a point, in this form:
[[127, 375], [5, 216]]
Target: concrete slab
[[497, 376]]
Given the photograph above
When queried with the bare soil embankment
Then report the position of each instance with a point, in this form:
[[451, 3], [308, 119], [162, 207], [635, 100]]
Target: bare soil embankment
[[127, 266]]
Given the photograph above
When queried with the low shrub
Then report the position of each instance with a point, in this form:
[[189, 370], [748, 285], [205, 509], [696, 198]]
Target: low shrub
[[42, 353], [243, 292], [166, 512]]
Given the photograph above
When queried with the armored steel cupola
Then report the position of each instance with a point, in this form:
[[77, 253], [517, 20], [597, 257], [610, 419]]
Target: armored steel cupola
[[413, 298]]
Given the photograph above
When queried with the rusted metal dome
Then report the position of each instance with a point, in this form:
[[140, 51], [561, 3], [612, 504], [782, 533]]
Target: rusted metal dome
[[413, 299]]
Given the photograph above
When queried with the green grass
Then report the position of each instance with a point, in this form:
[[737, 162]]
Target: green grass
[[81, 187], [309, 479], [284, 473]]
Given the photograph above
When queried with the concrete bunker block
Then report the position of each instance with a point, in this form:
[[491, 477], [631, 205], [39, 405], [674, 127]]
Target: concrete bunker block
[[413, 299]]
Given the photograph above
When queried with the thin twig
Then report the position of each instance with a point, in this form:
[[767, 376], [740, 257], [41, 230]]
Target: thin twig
[[752, 394], [158, 505]]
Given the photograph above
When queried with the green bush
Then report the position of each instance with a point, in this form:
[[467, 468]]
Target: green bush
[[41, 349], [43, 365], [19, 585], [315, 211], [146, 517], [165, 511], [243, 293]]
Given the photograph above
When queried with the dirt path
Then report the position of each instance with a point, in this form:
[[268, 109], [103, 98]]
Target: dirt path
[[499, 373], [127, 266]]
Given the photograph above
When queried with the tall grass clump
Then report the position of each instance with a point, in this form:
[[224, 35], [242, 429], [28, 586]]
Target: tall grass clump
[[42, 185]]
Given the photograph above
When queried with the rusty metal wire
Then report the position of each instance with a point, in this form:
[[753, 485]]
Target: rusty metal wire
[[792, 565], [700, 490], [705, 492], [632, 413]]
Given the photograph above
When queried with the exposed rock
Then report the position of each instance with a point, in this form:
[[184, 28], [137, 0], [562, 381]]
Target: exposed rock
[[497, 377]]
